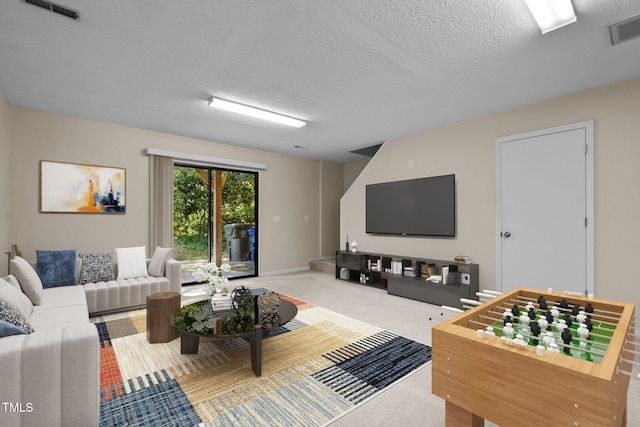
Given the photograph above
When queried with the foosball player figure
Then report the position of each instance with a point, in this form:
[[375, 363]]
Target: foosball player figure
[[515, 310], [588, 323], [567, 319], [535, 331], [543, 305], [576, 309], [566, 339], [549, 317]]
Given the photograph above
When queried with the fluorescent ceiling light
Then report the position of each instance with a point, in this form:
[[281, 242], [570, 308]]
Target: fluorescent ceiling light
[[551, 14], [258, 113]]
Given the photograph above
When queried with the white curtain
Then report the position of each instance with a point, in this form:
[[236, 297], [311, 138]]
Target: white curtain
[[160, 202]]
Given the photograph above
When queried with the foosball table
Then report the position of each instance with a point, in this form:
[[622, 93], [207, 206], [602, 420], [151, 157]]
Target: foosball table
[[523, 358]]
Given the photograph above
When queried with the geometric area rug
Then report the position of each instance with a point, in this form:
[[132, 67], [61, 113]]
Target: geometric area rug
[[315, 368]]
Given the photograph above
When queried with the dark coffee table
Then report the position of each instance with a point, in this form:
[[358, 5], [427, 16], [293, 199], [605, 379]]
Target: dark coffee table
[[189, 341]]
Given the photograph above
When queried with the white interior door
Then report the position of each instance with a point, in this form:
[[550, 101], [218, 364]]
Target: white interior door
[[545, 209]]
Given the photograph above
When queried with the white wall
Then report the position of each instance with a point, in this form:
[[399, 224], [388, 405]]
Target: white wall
[[289, 188], [5, 179], [468, 149]]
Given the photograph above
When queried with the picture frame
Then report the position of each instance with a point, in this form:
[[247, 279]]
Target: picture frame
[[81, 188]]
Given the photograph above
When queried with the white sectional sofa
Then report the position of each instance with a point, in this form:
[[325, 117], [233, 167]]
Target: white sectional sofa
[[50, 362], [50, 377]]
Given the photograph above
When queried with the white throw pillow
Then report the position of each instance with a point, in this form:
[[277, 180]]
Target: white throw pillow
[[15, 298], [158, 260], [14, 281], [132, 262], [28, 278]]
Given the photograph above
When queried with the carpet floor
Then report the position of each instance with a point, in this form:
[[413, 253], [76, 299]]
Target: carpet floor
[[315, 369]]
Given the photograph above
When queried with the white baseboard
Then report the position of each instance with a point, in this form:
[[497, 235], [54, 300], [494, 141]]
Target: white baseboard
[[324, 258], [281, 272]]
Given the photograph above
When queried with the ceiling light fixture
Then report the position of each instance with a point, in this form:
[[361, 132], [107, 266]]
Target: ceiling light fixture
[[551, 14], [258, 113]]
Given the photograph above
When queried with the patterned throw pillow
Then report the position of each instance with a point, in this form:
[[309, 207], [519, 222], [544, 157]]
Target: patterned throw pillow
[[96, 267], [11, 315]]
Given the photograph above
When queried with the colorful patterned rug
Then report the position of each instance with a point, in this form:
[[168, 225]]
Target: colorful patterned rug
[[314, 369]]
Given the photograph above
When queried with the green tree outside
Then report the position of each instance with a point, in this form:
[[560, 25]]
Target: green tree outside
[[191, 205]]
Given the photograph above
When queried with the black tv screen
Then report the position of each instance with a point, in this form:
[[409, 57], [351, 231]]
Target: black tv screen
[[419, 207]]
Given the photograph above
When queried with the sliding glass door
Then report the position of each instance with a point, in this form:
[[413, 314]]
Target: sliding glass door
[[215, 219]]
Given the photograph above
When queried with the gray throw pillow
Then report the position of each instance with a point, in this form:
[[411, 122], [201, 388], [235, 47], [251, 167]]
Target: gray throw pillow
[[28, 278], [15, 298], [96, 267], [11, 315], [158, 261]]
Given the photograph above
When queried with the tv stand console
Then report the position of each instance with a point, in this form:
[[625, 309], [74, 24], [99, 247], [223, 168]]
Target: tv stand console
[[401, 276]]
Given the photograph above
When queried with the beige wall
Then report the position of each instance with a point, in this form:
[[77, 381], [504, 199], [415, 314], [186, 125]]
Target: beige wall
[[5, 175], [332, 177], [289, 188], [352, 170], [468, 149]]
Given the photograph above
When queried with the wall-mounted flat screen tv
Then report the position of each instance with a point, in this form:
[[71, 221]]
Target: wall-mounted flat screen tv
[[418, 207]]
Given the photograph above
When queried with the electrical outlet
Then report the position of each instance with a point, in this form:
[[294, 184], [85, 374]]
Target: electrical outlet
[[466, 278]]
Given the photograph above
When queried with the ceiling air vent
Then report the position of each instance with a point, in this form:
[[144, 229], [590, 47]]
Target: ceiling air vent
[[625, 30], [55, 8]]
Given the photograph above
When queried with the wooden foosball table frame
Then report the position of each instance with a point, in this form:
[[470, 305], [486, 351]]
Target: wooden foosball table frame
[[484, 378]]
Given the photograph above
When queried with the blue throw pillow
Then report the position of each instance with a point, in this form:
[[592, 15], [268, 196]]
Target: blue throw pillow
[[7, 329], [57, 268]]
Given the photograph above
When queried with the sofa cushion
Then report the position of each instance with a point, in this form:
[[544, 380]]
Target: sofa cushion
[[7, 329], [28, 278], [57, 268], [13, 316], [132, 262], [158, 261], [96, 267], [12, 279], [15, 298], [58, 317]]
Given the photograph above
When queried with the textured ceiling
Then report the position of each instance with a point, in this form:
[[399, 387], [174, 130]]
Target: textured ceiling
[[359, 71]]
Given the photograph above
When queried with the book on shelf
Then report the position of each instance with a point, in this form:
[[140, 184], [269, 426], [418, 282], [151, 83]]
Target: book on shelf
[[409, 272], [462, 259]]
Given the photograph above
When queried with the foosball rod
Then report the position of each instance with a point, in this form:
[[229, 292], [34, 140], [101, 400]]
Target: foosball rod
[[487, 291], [560, 344], [485, 296], [540, 338]]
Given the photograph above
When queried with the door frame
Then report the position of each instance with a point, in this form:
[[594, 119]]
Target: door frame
[[589, 204]]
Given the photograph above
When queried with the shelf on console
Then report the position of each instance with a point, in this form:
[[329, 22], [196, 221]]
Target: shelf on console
[[356, 267]]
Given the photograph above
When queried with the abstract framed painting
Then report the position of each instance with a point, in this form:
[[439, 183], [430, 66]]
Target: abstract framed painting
[[80, 188]]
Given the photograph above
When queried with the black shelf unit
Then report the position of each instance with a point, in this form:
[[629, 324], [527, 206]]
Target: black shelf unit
[[362, 267]]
